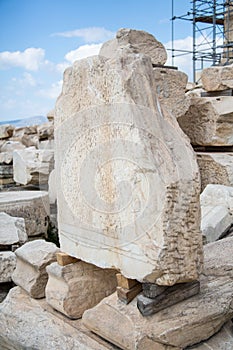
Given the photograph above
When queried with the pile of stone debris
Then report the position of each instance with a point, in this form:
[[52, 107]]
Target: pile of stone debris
[[123, 116]]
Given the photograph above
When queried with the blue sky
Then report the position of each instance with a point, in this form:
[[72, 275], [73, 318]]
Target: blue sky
[[40, 38]]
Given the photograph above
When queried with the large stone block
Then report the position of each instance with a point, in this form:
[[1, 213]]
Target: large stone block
[[32, 259], [10, 146], [12, 230], [170, 88], [215, 168], [45, 131], [209, 121], [33, 206], [125, 171], [136, 41], [6, 131], [27, 323], [6, 171], [217, 78], [6, 157], [186, 323], [216, 211], [74, 288], [32, 166], [7, 266]]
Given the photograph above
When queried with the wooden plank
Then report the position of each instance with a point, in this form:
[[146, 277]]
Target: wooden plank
[[162, 66], [125, 282], [65, 259], [227, 92], [127, 295], [172, 295]]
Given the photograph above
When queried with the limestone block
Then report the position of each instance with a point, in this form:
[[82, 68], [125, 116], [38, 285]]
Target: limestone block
[[10, 146], [50, 115], [186, 323], [6, 171], [6, 131], [223, 340], [45, 131], [12, 230], [6, 157], [209, 121], [33, 206], [136, 41], [217, 78], [52, 187], [74, 288], [170, 89], [46, 144], [125, 171], [215, 168], [26, 135], [216, 210], [32, 259], [28, 323], [7, 265], [32, 166]]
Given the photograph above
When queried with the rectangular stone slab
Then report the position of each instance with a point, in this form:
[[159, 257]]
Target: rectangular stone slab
[[170, 296]]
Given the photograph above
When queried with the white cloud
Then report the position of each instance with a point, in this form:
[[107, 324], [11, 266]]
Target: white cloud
[[26, 80], [53, 91], [29, 59], [89, 35], [83, 52]]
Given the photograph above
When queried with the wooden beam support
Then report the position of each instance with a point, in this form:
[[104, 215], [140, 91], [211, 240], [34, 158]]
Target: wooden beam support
[[125, 282], [65, 259], [168, 297], [127, 295]]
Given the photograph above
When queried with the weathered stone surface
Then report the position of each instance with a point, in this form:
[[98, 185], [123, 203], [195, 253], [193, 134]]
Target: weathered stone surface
[[215, 168], [217, 78], [209, 121], [50, 115], [74, 288], [216, 210], [12, 230], [32, 166], [125, 171], [33, 206], [52, 187], [27, 323], [46, 144], [170, 89], [26, 135], [6, 157], [223, 340], [7, 265], [45, 131], [6, 171], [136, 41], [183, 324], [6, 131], [30, 272], [10, 146]]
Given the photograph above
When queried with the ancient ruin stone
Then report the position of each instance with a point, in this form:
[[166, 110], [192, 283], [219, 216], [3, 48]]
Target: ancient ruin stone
[[170, 89], [30, 272], [136, 41], [10, 146], [125, 171], [217, 78], [74, 288], [45, 131], [209, 121], [33, 206], [32, 166], [6, 131], [215, 168], [6, 157], [7, 265], [50, 115], [217, 211], [12, 230], [186, 323], [28, 323]]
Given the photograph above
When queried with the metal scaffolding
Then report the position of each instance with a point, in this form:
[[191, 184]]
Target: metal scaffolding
[[212, 32]]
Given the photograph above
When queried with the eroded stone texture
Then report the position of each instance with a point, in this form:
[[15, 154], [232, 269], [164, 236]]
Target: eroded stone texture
[[209, 121], [30, 272], [6, 157], [215, 168], [12, 230], [217, 78], [216, 210], [45, 131], [6, 131], [74, 288], [7, 265], [10, 146], [33, 206], [170, 89], [186, 323], [32, 166], [136, 41], [125, 171], [27, 323]]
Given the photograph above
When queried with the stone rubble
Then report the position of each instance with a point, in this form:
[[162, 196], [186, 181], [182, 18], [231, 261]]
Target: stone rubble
[[217, 78], [7, 265], [12, 230]]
